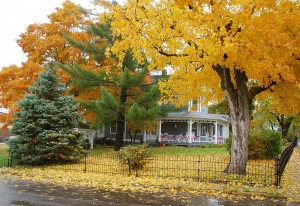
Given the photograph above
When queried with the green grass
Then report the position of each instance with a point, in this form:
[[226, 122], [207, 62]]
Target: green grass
[[172, 150], [101, 150], [3, 147], [187, 151], [3, 154]]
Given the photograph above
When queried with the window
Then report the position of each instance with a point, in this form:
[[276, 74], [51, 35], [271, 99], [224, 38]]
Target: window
[[113, 128], [194, 128], [221, 130]]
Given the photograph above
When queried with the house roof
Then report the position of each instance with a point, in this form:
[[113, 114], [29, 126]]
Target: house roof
[[198, 116]]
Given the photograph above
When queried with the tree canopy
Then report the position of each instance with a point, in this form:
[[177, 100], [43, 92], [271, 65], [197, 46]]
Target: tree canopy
[[236, 49], [42, 43], [127, 95]]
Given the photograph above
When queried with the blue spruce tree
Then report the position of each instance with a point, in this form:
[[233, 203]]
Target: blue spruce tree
[[45, 124]]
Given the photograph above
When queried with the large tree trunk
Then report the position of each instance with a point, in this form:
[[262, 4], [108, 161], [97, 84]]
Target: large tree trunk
[[121, 121], [240, 139], [240, 94], [120, 130], [239, 103]]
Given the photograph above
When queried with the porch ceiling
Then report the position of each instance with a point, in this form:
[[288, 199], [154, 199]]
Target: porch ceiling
[[196, 117]]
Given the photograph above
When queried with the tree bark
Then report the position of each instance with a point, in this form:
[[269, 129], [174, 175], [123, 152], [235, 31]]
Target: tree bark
[[239, 103], [240, 96], [121, 120]]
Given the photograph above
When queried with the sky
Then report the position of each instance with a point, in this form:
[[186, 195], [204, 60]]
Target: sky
[[15, 16]]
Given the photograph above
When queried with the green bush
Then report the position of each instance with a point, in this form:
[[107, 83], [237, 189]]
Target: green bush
[[135, 156], [263, 144]]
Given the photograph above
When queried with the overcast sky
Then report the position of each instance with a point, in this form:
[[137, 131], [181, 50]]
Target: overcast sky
[[15, 16]]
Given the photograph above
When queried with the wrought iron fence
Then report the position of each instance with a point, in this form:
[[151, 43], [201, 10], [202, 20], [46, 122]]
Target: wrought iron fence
[[281, 162], [196, 168], [181, 167]]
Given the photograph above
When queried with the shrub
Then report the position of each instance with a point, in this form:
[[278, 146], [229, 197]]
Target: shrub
[[263, 144], [135, 156]]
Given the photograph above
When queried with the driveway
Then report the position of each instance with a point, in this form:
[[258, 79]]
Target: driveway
[[28, 193]]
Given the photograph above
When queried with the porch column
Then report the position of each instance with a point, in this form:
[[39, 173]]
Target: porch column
[[190, 130], [216, 133], [145, 134], [159, 131]]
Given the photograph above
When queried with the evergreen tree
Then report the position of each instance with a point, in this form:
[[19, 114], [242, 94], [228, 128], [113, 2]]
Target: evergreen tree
[[45, 122], [127, 92]]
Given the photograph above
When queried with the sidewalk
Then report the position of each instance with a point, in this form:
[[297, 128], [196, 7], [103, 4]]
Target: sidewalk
[[30, 193], [291, 177]]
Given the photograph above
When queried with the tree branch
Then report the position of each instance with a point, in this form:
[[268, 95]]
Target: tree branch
[[255, 90], [162, 52]]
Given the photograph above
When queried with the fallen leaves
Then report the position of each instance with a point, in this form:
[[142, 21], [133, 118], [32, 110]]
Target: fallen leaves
[[171, 187]]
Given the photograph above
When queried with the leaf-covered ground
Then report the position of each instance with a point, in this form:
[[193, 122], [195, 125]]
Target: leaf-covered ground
[[164, 186], [291, 178]]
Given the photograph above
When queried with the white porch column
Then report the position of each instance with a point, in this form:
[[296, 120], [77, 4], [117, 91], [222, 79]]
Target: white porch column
[[159, 131], [190, 130], [145, 134], [216, 133]]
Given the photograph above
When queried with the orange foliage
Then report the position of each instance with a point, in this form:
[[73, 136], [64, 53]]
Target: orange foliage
[[42, 43]]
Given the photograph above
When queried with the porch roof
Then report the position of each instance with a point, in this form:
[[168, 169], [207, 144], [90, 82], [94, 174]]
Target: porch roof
[[197, 116]]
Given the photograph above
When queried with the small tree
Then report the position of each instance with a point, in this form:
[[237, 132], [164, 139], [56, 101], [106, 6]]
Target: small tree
[[44, 125], [135, 156]]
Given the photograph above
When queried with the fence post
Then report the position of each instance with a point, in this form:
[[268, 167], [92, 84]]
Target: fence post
[[85, 163], [277, 175], [198, 170], [9, 159]]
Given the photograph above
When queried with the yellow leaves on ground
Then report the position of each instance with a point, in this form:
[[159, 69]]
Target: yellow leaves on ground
[[291, 178], [167, 186]]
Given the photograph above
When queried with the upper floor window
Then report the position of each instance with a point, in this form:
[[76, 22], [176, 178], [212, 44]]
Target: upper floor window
[[196, 106], [113, 128]]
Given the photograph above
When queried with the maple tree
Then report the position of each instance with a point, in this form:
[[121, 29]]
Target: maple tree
[[43, 42], [236, 49]]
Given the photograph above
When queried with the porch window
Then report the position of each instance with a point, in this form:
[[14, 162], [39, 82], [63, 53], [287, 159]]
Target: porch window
[[204, 129], [221, 130], [194, 128]]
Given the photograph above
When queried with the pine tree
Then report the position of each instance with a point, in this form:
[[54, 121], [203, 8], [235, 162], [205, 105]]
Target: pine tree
[[45, 124], [127, 93]]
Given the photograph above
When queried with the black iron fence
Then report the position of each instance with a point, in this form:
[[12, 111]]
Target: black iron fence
[[181, 167], [197, 168], [282, 161]]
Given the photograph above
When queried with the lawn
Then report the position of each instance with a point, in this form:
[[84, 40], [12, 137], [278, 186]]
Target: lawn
[[173, 151], [3, 154], [3, 147], [187, 151]]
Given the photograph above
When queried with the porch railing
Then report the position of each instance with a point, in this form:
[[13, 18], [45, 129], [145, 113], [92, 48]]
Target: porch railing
[[194, 139]]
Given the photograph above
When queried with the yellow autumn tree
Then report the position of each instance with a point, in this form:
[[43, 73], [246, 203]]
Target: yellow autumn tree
[[236, 48]]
